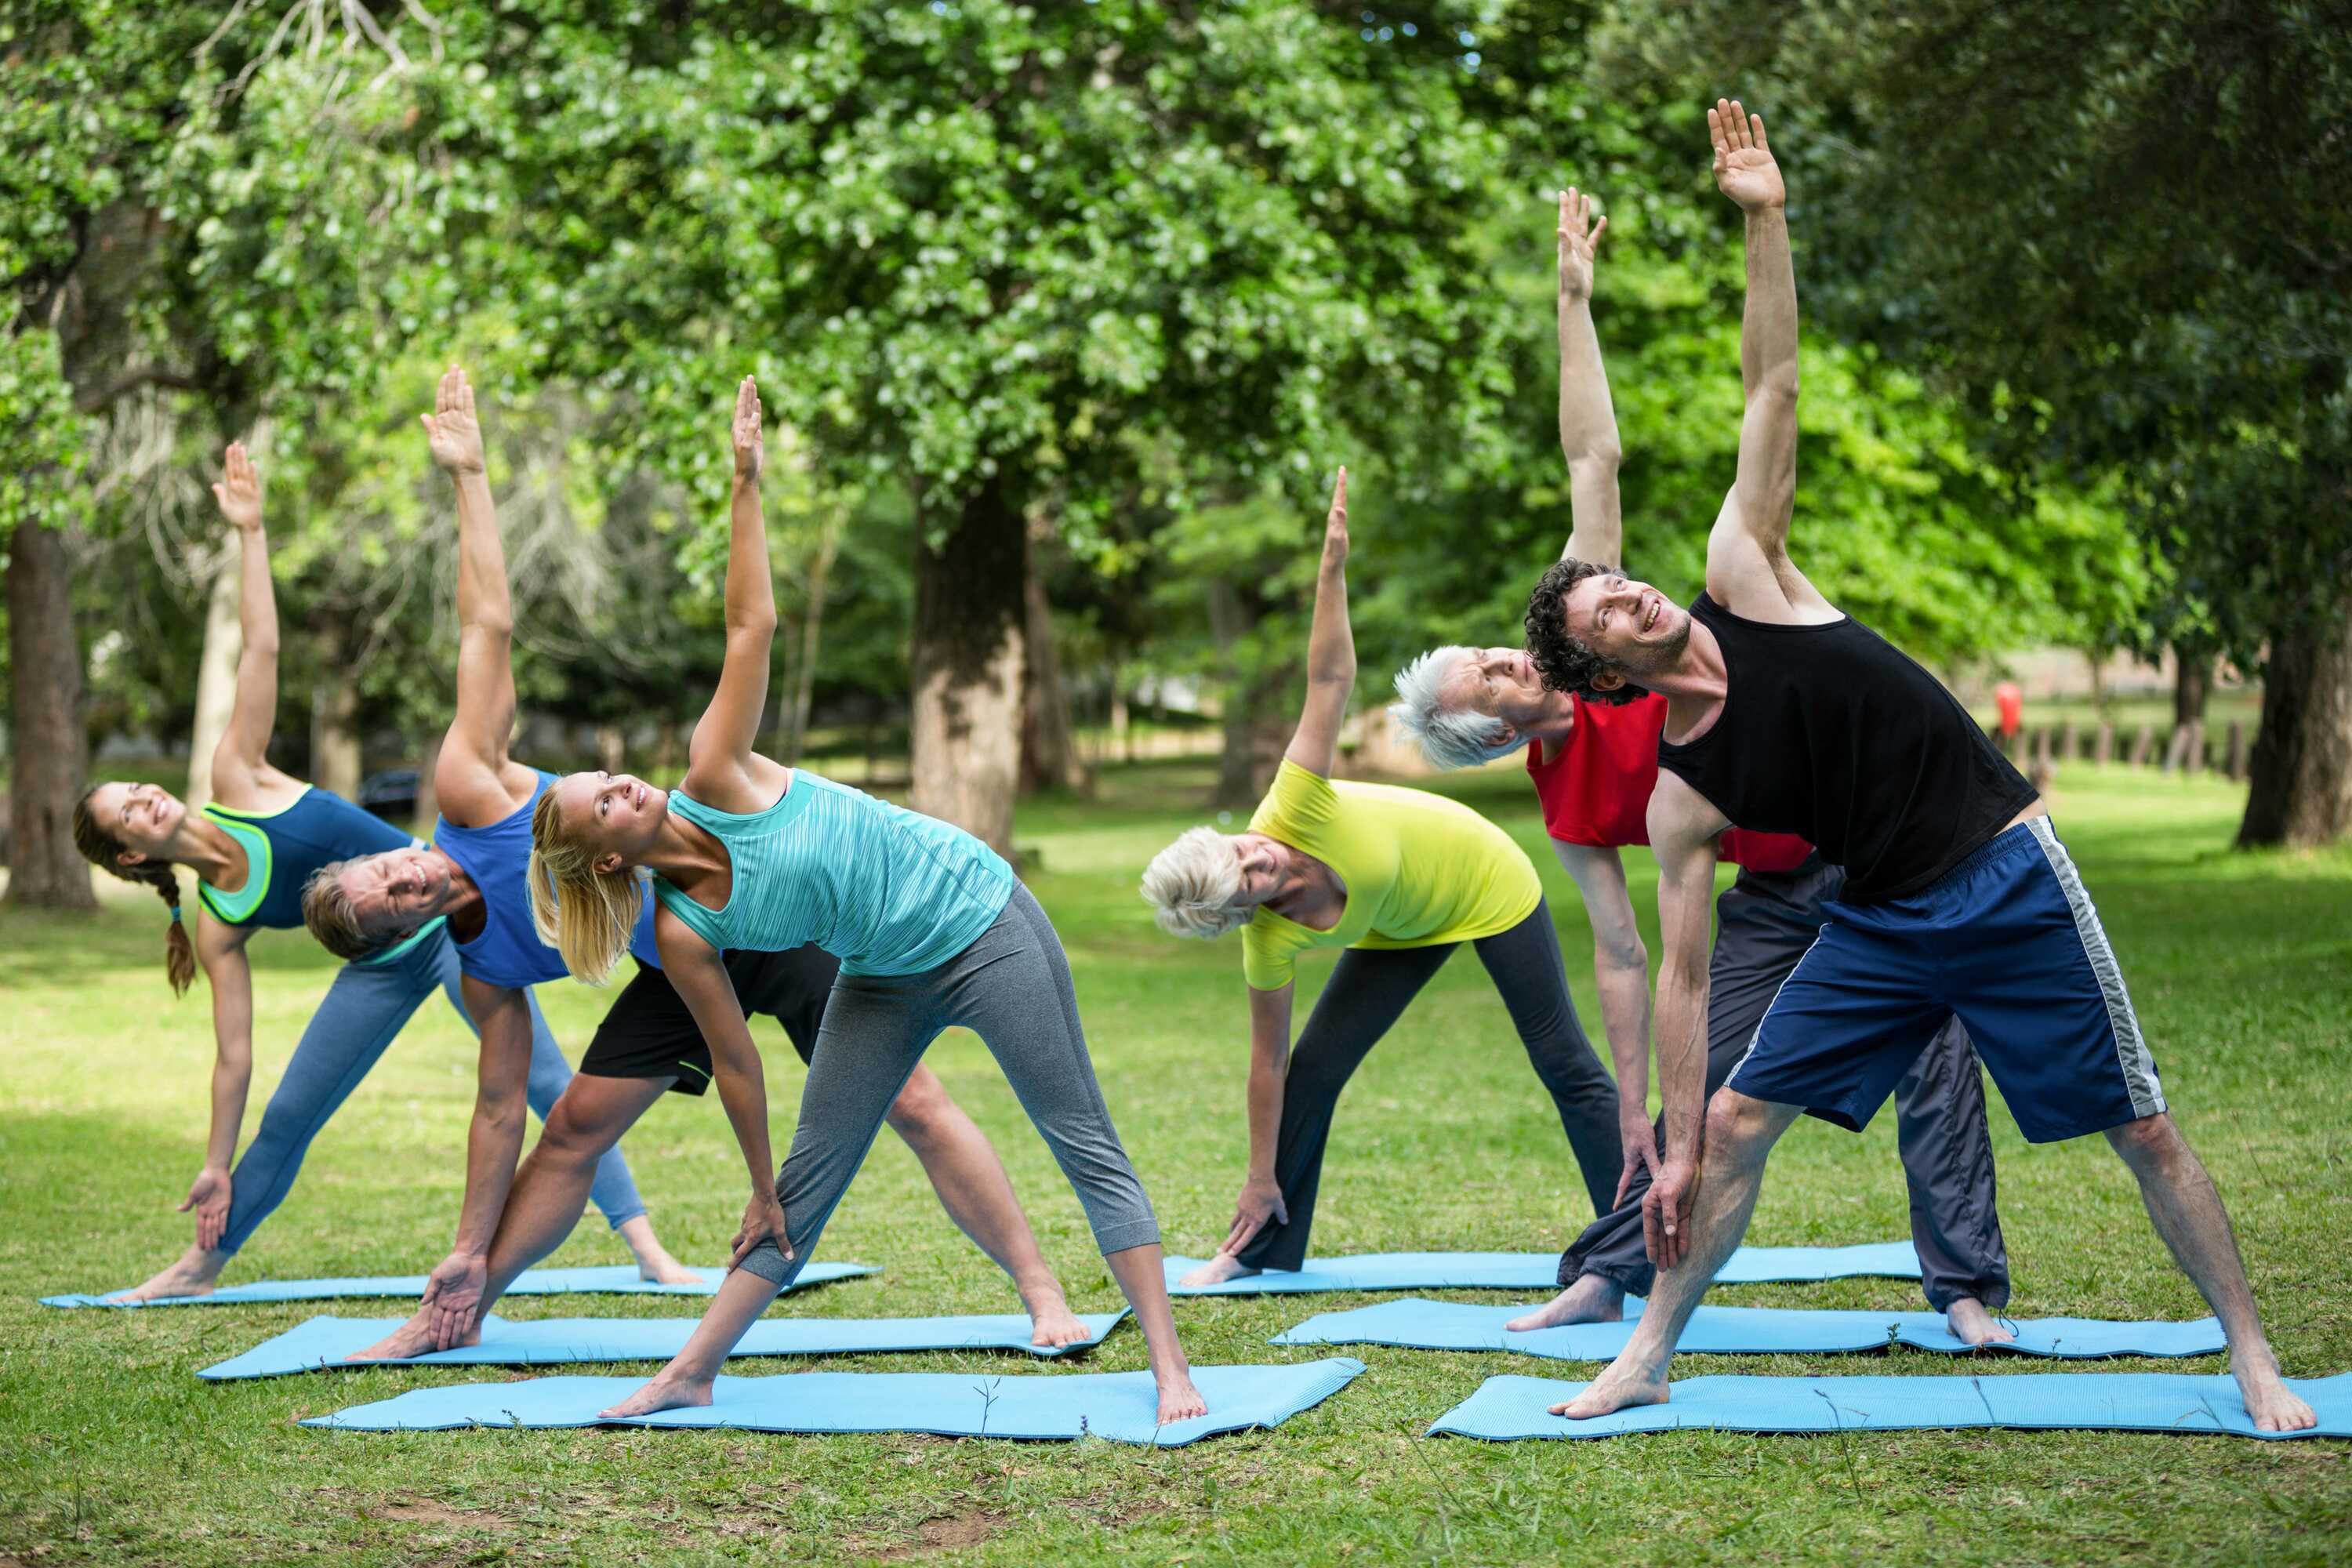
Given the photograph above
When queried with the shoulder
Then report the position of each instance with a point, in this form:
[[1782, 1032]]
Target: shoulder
[[1681, 819]]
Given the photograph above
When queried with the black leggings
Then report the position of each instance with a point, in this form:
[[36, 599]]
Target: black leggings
[[1369, 990]]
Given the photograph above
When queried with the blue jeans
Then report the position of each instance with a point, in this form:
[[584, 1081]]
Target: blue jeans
[[367, 1007]]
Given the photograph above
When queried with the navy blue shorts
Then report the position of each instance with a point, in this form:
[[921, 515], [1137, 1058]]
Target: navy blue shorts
[[2008, 941]]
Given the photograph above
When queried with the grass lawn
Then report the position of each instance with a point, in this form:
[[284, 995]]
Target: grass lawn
[[111, 1450]]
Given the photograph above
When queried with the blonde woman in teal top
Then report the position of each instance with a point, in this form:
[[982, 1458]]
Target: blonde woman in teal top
[[932, 930]]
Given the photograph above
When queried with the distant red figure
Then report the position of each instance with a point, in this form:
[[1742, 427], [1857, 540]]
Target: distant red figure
[[2010, 702]]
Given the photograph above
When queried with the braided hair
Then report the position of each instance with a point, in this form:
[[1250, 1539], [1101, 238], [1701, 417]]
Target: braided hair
[[100, 848]]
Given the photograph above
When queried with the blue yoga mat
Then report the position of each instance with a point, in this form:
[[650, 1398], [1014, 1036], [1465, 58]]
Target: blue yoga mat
[[1540, 1270], [618, 1280], [1416, 1324], [1506, 1408], [1120, 1406], [330, 1341]]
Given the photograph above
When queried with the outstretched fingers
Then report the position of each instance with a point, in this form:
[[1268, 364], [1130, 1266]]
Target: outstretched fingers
[[1340, 498]]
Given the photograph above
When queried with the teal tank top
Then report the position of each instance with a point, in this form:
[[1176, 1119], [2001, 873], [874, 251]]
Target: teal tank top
[[885, 889]]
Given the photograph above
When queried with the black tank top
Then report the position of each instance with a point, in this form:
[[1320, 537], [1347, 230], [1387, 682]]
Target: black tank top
[[1833, 733]]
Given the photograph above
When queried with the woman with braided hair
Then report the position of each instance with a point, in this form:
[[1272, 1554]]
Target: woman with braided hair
[[252, 848]]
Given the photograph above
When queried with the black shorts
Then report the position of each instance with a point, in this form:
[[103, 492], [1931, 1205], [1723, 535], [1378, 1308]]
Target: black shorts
[[648, 1032]]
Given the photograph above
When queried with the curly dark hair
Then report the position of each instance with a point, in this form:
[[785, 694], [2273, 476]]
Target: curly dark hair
[[1566, 663]]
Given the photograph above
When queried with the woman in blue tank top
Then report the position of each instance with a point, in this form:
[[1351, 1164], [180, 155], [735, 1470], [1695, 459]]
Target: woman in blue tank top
[[252, 848], [932, 930]]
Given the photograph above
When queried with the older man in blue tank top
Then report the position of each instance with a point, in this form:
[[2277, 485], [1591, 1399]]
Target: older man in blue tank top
[[1785, 716]]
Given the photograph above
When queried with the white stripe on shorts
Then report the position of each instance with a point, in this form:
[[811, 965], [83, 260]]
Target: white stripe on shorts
[[2132, 1055], [1758, 1032]]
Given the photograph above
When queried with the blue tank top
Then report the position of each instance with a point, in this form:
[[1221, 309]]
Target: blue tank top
[[507, 952], [885, 889], [282, 847]]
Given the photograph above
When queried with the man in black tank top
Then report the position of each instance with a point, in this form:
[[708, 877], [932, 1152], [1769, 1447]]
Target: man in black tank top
[[1784, 716]]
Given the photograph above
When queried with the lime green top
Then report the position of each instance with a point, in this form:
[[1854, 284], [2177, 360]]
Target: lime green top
[[1420, 870]]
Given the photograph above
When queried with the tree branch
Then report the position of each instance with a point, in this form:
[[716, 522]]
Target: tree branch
[[94, 399]]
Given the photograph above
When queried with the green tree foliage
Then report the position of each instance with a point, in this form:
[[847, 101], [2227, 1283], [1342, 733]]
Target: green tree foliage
[[2121, 233]]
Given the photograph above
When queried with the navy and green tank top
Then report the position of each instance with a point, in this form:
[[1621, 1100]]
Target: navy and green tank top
[[282, 847], [507, 952], [885, 889]]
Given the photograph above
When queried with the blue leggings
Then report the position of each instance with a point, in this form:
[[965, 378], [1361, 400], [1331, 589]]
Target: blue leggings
[[365, 1007]]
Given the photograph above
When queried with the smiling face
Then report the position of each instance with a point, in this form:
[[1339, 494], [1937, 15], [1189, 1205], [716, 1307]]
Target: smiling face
[[1503, 683], [1627, 623], [145, 816], [616, 817], [399, 890], [1269, 868]]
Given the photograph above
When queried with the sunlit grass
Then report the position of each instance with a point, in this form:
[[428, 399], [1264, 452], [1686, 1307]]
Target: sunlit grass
[[111, 1450]]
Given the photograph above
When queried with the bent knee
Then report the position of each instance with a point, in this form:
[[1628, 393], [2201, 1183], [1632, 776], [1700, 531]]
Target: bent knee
[[924, 1113], [581, 1125]]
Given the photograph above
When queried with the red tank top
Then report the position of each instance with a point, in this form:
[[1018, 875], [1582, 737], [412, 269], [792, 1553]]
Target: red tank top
[[1597, 790]]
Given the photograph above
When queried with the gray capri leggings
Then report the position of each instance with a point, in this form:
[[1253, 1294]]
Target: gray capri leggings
[[364, 1010], [1011, 988]]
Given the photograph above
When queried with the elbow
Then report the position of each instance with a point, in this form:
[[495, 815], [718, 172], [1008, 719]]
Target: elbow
[[1621, 957], [1775, 387], [753, 621], [1596, 460]]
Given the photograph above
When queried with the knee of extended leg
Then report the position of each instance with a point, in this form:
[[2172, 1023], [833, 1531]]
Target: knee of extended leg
[[1733, 1119], [2148, 1140]]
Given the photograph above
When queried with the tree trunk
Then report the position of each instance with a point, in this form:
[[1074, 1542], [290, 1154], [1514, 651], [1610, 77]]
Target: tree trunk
[[215, 678], [1049, 748], [51, 753], [1253, 741], [2192, 684], [334, 743], [429, 794], [968, 665], [812, 633], [2301, 768]]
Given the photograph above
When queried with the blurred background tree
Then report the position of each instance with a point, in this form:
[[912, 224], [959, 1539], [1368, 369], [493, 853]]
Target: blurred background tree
[[1068, 313]]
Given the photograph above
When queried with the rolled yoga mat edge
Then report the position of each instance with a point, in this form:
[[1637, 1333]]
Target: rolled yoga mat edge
[[327, 1342], [1540, 1270], [1505, 1409], [612, 1280], [1414, 1323], [1121, 1406]]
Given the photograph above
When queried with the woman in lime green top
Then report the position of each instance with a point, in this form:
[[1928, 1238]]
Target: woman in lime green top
[[1398, 878]]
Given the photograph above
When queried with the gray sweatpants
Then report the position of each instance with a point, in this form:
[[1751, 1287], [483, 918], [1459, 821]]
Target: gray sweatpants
[[1764, 923], [1011, 988]]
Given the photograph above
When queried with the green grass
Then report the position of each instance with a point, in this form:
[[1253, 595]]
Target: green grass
[[111, 1450]]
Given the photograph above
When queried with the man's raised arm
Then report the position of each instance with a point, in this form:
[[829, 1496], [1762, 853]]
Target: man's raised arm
[[470, 776], [1748, 552], [1588, 422]]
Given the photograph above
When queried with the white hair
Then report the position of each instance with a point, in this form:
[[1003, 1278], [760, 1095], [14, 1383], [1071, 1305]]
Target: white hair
[[1192, 883], [1449, 736]]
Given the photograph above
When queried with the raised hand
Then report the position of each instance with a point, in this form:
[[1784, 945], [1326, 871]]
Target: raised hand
[[240, 490], [1744, 169], [750, 432], [456, 436], [1579, 237], [1335, 524]]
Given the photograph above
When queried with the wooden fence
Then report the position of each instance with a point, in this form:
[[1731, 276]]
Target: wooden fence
[[2188, 747]]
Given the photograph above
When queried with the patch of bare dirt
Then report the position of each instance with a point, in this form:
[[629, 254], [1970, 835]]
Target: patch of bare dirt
[[425, 1511]]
